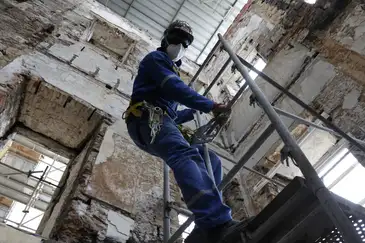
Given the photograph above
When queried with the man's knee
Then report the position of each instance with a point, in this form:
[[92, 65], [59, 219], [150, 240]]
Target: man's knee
[[215, 160]]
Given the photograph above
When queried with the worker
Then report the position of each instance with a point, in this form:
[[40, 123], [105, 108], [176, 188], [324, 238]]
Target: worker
[[152, 121]]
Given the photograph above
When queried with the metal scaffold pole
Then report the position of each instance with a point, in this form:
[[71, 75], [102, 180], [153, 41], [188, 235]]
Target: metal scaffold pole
[[324, 196], [166, 197], [207, 164]]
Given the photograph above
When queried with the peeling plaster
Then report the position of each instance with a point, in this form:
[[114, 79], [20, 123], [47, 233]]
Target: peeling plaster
[[351, 99]]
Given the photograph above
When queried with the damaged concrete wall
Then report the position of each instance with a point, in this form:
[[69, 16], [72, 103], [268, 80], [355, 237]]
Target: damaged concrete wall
[[328, 76], [285, 67], [131, 180], [113, 191], [10, 97], [63, 195], [242, 35]]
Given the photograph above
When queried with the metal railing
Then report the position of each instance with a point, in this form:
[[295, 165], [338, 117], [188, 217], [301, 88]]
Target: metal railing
[[324, 196]]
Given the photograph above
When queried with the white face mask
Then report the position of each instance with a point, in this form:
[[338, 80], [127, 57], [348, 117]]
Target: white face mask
[[175, 52]]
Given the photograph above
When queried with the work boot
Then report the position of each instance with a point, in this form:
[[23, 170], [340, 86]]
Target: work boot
[[227, 233]]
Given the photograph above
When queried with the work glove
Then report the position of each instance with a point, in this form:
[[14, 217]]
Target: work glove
[[220, 108], [221, 112]]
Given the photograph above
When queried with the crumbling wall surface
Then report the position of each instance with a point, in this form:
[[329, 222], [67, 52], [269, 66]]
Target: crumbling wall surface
[[283, 69], [234, 198], [296, 21], [112, 191], [242, 36], [10, 98], [332, 33], [63, 195], [24, 25], [344, 100], [343, 43], [312, 80], [351, 33], [131, 180]]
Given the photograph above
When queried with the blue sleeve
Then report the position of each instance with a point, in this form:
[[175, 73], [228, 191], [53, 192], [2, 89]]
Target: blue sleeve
[[172, 86], [184, 116]]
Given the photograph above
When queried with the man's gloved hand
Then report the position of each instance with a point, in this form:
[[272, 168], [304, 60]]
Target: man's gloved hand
[[221, 112], [220, 108]]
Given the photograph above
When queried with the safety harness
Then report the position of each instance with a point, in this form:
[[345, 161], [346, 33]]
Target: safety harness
[[155, 113], [155, 116]]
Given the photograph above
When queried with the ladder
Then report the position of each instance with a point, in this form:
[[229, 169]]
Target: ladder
[[326, 199]]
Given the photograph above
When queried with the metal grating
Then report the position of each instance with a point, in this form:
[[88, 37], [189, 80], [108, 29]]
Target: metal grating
[[207, 18], [334, 236]]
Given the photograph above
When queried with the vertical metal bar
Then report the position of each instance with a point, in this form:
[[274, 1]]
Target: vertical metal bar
[[166, 198], [206, 61], [268, 131], [302, 104], [207, 161], [324, 196], [219, 74], [31, 199]]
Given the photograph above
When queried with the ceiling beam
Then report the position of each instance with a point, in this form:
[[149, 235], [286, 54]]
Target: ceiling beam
[[129, 7], [178, 11], [216, 30]]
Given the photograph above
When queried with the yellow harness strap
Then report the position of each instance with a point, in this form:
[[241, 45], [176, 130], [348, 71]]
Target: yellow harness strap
[[134, 110]]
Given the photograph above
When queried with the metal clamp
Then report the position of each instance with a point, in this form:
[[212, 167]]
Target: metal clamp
[[207, 133], [233, 69], [253, 101], [285, 155]]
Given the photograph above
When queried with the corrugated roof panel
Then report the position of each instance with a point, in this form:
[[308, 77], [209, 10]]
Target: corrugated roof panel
[[216, 9], [116, 8], [203, 15], [164, 7], [222, 29], [205, 9], [122, 4], [205, 26], [200, 36], [202, 33], [207, 18], [145, 23], [149, 11], [172, 3]]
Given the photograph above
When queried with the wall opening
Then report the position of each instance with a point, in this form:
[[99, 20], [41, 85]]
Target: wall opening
[[45, 129], [29, 176], [345, 176]]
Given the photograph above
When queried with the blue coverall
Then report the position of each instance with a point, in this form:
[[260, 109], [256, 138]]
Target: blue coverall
[[159, 83]]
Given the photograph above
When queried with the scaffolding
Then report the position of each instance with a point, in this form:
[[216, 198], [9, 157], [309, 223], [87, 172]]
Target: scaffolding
[[39, 187], [327, 201]]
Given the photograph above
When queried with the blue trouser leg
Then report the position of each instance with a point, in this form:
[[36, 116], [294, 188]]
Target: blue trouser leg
[[189, 170], [216, 163]]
